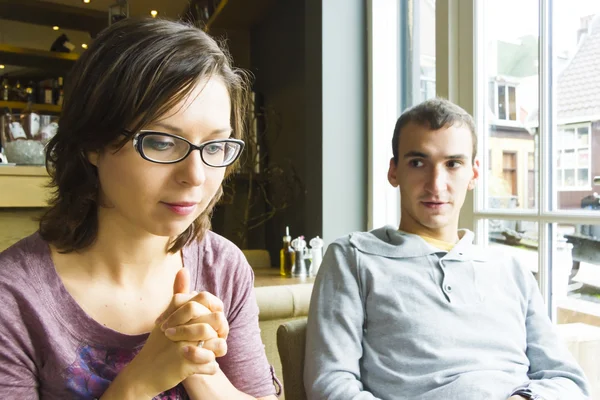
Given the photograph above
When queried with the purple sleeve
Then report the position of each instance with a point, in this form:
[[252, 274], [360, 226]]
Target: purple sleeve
[[246, 363], [17, 368]]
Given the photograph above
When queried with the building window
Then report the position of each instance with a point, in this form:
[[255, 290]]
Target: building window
[[509, 170], [503, 100], [573, 159]]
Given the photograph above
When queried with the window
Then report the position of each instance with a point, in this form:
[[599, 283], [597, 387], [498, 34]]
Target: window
[[533, 93], [503, 101], [551, 132], [428, 80], [573, 158], [384, 44], [402, 33]]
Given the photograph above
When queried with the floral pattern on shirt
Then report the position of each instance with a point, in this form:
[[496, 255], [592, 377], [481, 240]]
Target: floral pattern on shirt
[[96, 367]]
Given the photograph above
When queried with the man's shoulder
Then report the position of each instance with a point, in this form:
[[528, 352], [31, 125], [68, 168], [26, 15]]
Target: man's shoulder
[[386, 241], [363, 241]]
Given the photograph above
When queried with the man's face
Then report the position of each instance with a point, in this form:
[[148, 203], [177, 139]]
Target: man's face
[[434, 172]]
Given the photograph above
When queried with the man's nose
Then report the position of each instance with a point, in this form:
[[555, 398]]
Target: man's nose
[[437, 180]]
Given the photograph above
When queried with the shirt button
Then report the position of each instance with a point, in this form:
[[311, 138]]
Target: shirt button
[[448, 288]]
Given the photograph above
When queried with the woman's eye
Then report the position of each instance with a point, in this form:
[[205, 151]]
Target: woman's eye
[[160, 145], [214, 148]]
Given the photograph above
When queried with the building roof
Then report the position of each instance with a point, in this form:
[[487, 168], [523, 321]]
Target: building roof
[[578, 86], [518, 59]]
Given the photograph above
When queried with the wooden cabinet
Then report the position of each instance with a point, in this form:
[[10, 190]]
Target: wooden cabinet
[[24, 186]]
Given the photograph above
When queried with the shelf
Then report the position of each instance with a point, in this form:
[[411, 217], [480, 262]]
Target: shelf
[[238, 14], [48, 60], [53, 108], [50, 14], [24, 186], [23, 170]]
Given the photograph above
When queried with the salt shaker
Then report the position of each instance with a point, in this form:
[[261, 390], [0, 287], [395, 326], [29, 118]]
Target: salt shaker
[[316, 254]]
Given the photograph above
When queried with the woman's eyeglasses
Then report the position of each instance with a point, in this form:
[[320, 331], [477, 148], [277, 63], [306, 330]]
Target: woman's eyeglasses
[[165, 148]]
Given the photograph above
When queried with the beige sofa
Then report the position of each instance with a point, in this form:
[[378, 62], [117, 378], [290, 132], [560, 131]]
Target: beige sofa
[[279, 304]]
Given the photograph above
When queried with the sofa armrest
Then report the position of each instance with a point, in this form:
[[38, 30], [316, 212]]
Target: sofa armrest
[[283, 302]]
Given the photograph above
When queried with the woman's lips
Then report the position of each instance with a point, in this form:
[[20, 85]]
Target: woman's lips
[[181, 208]]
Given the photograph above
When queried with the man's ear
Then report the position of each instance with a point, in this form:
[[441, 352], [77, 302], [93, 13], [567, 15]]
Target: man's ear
[[392, 173], [473, 180], [92, 157]]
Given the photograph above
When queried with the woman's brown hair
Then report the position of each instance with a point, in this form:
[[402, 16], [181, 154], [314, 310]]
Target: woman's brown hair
[[133, 73]]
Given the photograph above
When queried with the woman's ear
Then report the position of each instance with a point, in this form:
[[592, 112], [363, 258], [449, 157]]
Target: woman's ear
[[92, 157]]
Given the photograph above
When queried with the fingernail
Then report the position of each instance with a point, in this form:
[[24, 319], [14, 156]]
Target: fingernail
[[170, 332], [164, 326], [187, 349]]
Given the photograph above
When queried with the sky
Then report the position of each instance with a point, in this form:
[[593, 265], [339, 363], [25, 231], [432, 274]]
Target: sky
[[511, 19]]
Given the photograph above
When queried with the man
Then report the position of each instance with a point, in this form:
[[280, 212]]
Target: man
[[421, 313]]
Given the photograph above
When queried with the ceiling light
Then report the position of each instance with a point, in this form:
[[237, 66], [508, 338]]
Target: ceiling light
[[55, 28], [1, 66], [86, 1], [84, 45], [154, 13]]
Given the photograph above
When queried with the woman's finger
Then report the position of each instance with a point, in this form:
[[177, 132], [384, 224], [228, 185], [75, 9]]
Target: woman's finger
[[191, 333], [177, 301], [184, 315], [210, 301], [218, 321], [218, 346], [203, 361]]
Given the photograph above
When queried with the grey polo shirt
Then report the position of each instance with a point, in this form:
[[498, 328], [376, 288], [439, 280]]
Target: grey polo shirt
[[392, 317]]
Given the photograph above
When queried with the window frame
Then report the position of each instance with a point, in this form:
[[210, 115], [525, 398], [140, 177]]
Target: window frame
[[459, 78]]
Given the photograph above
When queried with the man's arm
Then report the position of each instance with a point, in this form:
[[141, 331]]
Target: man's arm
[[553, 371], [334, 330]]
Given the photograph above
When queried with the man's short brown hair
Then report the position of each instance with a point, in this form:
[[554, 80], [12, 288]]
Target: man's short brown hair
[[434, 114]]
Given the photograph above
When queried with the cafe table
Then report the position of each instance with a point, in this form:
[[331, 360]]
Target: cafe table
[[271, 277]]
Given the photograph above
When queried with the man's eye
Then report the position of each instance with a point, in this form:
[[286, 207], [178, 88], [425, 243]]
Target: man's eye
[[415, 163], [214, 148], [454, 164]]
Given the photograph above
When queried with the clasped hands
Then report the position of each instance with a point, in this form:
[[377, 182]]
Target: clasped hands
[[186, 340]]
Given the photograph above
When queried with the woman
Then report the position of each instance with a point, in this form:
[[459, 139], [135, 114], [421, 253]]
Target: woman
[[97, 304]]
